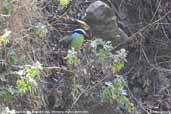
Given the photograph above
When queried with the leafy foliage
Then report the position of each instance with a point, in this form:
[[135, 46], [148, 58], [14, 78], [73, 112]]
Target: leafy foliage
[[100, 44], [22, 86], [27, 85], [33, 71], [119, 60], [5, 7], [64, 3], [101, 49], [8, 93], [115, 92], [7, 111], [4, 39], [71, 57], [28, 82], [11, 56], [40, 30], [99, 53]]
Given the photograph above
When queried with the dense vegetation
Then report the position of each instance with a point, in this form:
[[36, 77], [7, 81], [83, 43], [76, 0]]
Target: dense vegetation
[[40, 71]]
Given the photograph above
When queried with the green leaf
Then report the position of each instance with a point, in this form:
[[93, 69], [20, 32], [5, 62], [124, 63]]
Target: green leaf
[[5, 7], [4, 39], [32, 72], [22, 86], [64, 3], [101, 55], [40, 30], [113, 92], [11, 56], [7, 94], [119, 65], [71, 57]]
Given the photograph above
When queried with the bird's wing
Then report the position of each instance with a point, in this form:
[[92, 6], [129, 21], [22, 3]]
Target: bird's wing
[[77, 40]]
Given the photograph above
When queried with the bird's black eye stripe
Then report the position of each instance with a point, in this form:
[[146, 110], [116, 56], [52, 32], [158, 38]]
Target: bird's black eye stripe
[[80, 31]]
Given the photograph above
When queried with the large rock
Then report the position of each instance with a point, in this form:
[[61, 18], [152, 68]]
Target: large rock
[[103, 23]]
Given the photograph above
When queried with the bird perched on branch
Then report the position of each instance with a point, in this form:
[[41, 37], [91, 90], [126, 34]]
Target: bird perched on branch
[[103, 23], [76, 38]]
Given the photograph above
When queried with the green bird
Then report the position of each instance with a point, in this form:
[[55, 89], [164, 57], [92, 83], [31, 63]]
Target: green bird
[[76, 38]]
